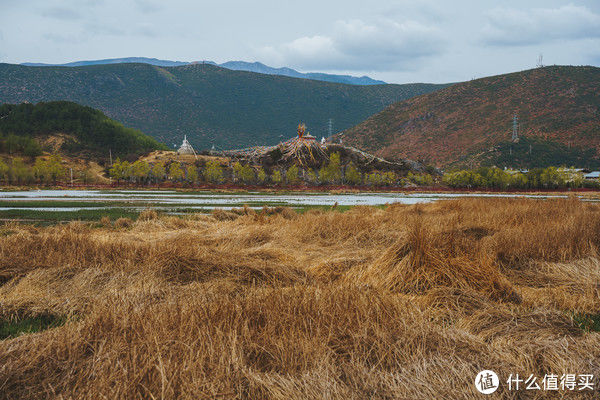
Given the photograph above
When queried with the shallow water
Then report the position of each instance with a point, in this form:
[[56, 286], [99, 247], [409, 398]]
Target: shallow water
[[171, 199]]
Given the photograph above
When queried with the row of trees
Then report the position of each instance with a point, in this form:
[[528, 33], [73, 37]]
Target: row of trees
[[538, 178], [333, 172], [44, 170]]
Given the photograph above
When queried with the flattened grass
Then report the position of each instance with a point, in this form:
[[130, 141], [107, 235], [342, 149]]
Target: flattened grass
[[395, 302]]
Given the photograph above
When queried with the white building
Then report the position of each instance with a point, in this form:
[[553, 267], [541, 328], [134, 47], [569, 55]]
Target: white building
[[186, 147]]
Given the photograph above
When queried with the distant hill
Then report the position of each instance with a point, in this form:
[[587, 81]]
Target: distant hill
[[470, 123], [79, 130], [212, 105], [264, 69], [126, 60], [233, 65]]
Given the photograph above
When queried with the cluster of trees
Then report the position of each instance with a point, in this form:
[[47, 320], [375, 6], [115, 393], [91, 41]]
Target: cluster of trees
[[50, 170], [537, 178], [13, 144], [333, 172]]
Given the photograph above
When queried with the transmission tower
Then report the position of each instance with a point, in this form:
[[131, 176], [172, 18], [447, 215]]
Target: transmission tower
[[540, 61], [329, 127], [515, 131]]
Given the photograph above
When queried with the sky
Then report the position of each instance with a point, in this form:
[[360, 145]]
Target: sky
[[398, 41]]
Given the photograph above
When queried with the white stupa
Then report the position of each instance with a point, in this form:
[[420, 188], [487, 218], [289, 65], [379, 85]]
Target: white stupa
[[186, 147]]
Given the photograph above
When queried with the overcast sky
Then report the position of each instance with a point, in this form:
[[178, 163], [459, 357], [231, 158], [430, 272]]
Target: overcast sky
[[395, 40]]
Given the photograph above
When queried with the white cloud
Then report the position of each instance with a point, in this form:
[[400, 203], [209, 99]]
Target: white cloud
[[355, 45], [511, 27], [310, 47]]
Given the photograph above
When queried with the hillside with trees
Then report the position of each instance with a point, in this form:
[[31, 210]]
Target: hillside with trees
[[212, 105], [28, 130], [470, 123]]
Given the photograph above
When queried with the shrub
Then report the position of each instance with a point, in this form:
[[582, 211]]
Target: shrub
[[420, 179], [247, 174], [191, 174], [261, 176], [175, 172], [352, 175], [276, 177], [332, 173]]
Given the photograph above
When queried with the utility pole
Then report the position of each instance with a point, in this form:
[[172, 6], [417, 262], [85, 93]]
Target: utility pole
[[110, 155], [71, 176]]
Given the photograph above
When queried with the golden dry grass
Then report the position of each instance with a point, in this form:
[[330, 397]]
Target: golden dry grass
[[404, 302]]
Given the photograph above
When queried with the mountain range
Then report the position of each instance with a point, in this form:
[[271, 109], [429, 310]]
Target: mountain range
[[470, 123], [209, 104], [233, 65], [318, 76]]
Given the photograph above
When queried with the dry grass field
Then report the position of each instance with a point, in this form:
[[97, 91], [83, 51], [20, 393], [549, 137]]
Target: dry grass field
[[406, 302]]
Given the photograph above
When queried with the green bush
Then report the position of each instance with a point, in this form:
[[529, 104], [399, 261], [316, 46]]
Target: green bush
[[292, 174], [191, 174], [175, 171], [420, 179], [352, 175], [276, 177], [332, 173], [213, 172]]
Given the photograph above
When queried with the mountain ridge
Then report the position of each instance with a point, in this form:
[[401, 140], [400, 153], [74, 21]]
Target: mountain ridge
[[257, 67]]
